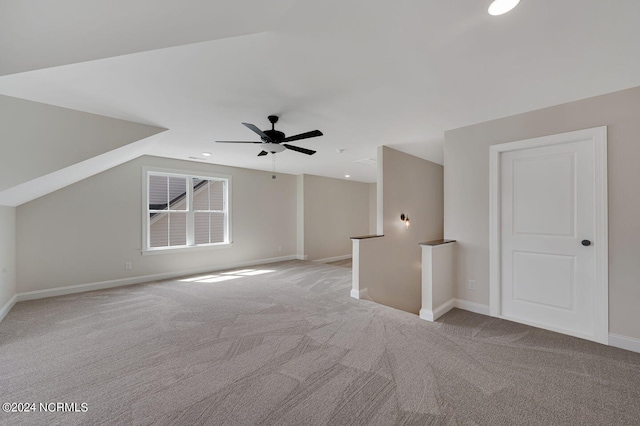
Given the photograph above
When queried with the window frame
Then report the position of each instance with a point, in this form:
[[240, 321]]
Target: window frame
[[147, 172]]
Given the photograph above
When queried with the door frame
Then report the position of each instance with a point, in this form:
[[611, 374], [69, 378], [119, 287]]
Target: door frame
[[601, 292]]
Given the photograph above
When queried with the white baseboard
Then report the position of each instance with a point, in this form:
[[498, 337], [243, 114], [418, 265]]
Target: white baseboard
[[301, 257], [362, 294], [624, 342], [80, 288], [444, 308], [7, 307], [478, 308], [334, 259], [615, 340], [426, 315]]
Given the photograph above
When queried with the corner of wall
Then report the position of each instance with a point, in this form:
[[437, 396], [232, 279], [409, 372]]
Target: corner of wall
[[380, 192], [373, 207], [396, 262], [7, 259], [300, 217], [327, 229]]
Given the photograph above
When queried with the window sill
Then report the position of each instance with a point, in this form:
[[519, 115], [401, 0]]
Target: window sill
[[185, 249]]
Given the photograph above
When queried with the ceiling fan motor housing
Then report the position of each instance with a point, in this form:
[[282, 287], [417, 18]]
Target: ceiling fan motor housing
[[275, 135]]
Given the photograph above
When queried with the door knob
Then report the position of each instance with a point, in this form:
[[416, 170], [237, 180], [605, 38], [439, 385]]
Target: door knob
[[586, 243]]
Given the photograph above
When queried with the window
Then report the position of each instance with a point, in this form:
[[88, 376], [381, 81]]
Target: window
[[186, 211]]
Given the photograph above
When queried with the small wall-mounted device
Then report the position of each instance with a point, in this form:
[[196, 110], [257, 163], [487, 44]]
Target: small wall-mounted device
[[405, 219]]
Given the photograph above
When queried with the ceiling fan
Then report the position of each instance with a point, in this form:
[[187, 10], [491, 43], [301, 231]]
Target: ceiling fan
[[273, 141]]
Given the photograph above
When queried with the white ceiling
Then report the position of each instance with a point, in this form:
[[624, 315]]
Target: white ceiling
[[366, 73]]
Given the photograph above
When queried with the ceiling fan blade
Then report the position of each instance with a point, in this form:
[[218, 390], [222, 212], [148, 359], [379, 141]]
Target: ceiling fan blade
[[262, 153], [258, 131], [236, 142], [297, 148], [311, 134]]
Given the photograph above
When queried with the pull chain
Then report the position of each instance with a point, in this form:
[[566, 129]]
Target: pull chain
[[273, 165]]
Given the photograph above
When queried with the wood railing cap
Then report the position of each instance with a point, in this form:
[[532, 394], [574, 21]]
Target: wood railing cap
[[437, 242], [364, 237]]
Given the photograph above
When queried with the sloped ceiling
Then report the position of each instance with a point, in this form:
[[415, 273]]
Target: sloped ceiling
[[38, 34], [45, 147], [366, 73]]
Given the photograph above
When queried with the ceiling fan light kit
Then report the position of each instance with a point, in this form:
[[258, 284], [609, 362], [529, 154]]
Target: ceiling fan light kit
[[272, 148], [273, 141]]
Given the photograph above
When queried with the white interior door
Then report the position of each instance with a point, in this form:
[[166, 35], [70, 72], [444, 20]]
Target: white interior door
[[549, 237]]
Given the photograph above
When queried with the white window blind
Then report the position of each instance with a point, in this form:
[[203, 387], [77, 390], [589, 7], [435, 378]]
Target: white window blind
[[185, 211], [209, 211]]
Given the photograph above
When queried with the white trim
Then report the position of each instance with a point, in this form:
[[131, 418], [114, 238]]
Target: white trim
[[333, 259], [146, 170], [624, 342], [355, 269], [586, 336], [380, 189], [444, 308], [61, 291], [185, 249], [7, 307], [361, 294], [301, 256], [494, 231], [615, 340], [477, 308], [599, 137], [601, 317], [428, 315]]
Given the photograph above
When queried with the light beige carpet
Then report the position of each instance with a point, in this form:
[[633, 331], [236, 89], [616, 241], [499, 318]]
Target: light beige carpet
[[290, 347]]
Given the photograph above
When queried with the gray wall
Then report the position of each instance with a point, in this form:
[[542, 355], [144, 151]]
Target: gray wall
[[7, 254], [466, 181], [85, 232], [373, 208], [412, 186], [334, 211], [39, 139]]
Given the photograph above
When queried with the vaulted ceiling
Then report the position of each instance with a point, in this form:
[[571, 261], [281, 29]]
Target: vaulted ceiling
[[366, 73]]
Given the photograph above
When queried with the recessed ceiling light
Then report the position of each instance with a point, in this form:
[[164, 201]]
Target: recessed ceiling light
[[206, 154], [347, 176], [499, 7]]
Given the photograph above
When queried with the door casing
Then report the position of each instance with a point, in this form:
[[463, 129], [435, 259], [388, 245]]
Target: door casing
[[599, 137]]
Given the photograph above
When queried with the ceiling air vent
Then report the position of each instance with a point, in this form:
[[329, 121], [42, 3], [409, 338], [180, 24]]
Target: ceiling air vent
[[367, 162]]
